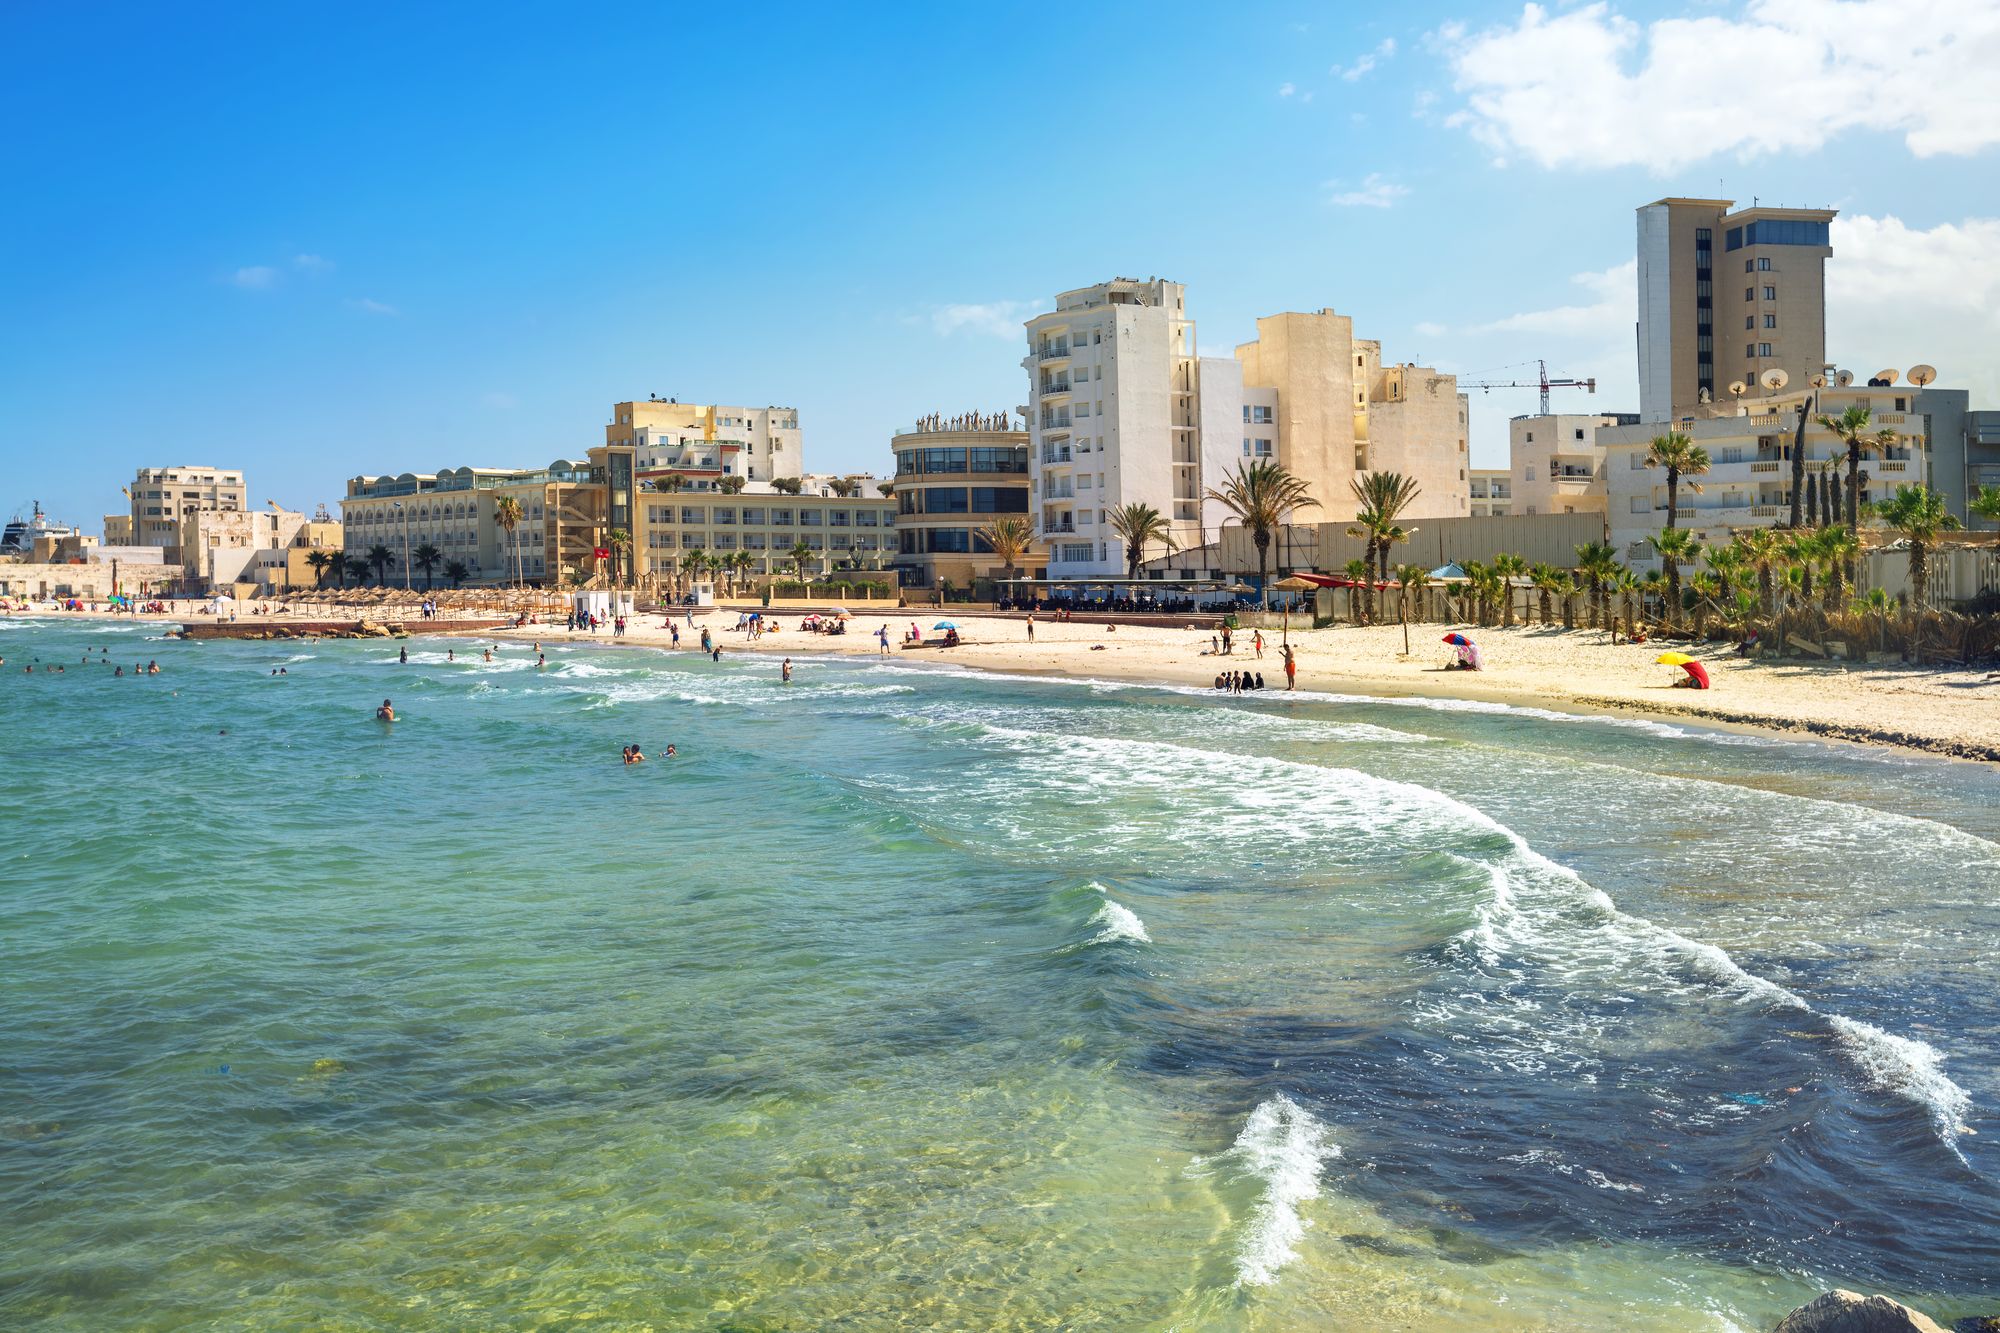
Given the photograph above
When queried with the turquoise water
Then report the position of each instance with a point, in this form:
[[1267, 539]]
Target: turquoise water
[[906, 998]]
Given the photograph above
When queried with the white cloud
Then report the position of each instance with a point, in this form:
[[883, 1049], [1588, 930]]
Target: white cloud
[[1897, 295], [1286, 90], [1001, 319], [312, 263], [1611, 313], [1373, 192], [256, 277], [367, 306], [1430, 330], [1590, 88], [1366, 62]]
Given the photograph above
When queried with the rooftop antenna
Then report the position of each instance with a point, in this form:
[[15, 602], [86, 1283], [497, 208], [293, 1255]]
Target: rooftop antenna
[[1774, 379]]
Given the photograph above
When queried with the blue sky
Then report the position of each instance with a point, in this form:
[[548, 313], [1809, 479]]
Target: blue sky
[[319, 242]]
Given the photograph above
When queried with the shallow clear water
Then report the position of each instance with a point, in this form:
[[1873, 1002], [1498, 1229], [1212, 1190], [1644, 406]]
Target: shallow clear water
[[907, 998]]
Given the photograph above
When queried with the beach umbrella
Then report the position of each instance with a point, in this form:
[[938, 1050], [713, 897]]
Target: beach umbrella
[[1458, 640], [1293, 583], [1696, 672], [841, 613], [1673, 659], [945, 624]]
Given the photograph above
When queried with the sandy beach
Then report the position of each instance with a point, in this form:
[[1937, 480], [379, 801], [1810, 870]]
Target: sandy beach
[[1948, 712]]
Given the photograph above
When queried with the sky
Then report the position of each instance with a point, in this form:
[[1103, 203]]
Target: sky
[[320, 241]]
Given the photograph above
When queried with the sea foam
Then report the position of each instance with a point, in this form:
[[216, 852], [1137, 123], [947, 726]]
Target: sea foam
[[1119, 922], [1279, 1153]]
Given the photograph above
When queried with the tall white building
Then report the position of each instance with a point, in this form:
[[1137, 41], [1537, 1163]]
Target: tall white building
[[1123, 410], [1555, 465]]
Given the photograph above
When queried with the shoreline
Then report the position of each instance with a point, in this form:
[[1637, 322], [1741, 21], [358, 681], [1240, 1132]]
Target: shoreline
[[1899, 708], [1947, 713]]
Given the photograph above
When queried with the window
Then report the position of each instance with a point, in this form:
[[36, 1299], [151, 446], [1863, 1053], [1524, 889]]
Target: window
[[1531, 437], [1642, 504], [1749, 321], [1528, 472], [1770, 293], [1747, 266], [1749, 293], [1763, 265], [1763, 349], [1749, 351], [1258, 416], [1770, 321], [1579, 432]]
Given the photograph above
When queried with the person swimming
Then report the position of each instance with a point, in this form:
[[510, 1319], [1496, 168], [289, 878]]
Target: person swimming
[[670, 752], [633, 755], [386, 713]]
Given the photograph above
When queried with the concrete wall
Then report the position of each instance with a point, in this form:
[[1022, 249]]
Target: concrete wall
[[92, 581]]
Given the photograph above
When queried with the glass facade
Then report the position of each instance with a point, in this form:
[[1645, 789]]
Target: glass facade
[[1778, 231]]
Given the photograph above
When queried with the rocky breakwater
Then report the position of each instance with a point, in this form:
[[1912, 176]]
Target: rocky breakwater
[[1841, 1311]]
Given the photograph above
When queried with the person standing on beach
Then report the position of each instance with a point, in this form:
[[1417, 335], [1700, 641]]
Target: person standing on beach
[[882, 637], [675, 631], [1031, 627], [1291, 667], [1258, 638]]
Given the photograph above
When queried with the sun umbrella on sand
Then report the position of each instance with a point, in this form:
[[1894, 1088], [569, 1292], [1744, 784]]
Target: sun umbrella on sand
[[840, 613], [1296, 583], [945, 624], [1695, 670], [1458, 640]]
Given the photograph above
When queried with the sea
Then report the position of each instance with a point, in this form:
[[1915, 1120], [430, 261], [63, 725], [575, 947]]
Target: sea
[[903, 997]]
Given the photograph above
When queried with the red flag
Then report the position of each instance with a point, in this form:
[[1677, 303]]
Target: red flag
[[602, 552]]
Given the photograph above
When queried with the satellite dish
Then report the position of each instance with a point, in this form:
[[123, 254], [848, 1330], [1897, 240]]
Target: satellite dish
[[1886, 376], [1819, 381], [1844, 378], [1921, 375], [1738, 388], [1774, 379]]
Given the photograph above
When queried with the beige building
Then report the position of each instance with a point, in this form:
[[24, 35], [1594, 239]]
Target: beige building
[[162, 497], [758, 529], [1749, 481], [1492, 492], [953, 478], [455, 511], [703, 443], [1725, 296], [1340, 412], [118, 530], [1555, 465]]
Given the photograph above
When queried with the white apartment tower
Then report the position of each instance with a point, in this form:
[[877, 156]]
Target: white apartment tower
[[1118, 415]]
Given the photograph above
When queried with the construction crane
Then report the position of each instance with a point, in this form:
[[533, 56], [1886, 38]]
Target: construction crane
[[1544, 383]]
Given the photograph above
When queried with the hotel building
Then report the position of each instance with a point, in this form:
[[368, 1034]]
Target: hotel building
[[163, 496], [1749, 481], [453, 510], [1696, 337], [951, 481], [703, 443], [1555, 465]]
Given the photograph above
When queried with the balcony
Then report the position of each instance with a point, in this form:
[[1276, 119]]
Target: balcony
[[1054, 455], [1054, 387], [1890, 465], [1055, 420], [1053, 351]]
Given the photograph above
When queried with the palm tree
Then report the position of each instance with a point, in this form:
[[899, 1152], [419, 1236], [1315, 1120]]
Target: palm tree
[[1139, 526], [1381, 498], [427, 558], [620, 543], [1652, 585], [1675, 545], [455, 572], [1877, 604], [800, 553], [1728, 565], [1707, 588], [1919, 514], [1835, 547], [739, 564], [378, 556], [1803, 551], [1986, 504], [320, 562], [1508, 567], [1546, 579], [1011, 537], [1760, 549], [1260, 495], [1851, 429], [357, 568], [1681, 457], [1357, 569], [507, 517], [1566, 589], [1410, 582], [1624, 583], [1598, 561]]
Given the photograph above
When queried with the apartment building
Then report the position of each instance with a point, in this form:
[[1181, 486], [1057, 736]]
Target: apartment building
[[1555, 465], [1749, 481], [1491, 492], [840, 533], [703, 443], [1340, 412], [163, 496], [1696, 336], [951, 481]]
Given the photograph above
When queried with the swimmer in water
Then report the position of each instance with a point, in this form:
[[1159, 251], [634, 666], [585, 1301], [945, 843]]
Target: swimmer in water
[[670, 752], [386, 713], [788, 671], [633, 755], [489, 654], [402, 654]]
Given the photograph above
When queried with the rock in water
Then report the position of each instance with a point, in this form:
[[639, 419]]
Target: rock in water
[[1978, 1323], [1850, 1312]]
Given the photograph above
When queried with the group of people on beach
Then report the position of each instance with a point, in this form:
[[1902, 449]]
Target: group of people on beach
[[1236, 682]]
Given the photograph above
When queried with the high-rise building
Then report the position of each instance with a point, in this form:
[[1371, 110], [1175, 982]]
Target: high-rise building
[[1696, 335], [1118, 415], [163, 496], [704, 442]]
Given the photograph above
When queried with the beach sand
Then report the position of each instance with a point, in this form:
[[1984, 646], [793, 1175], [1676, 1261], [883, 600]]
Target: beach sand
[[1942, 711]]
